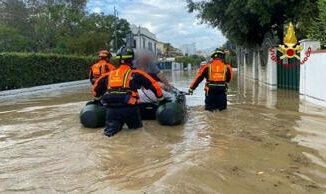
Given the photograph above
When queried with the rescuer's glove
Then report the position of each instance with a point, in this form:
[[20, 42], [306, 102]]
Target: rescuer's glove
[[190, 91]]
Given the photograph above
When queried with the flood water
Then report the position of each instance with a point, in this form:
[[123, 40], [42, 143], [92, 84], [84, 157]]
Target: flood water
[[266, 142]]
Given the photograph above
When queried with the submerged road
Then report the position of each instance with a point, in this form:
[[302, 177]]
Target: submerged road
[[266, 142]]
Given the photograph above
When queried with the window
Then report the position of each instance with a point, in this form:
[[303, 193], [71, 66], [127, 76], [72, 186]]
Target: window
[[150, 46], [155, 48], [135, 44]]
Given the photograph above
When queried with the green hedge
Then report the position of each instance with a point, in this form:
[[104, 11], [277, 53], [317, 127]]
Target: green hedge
[[20, 70]]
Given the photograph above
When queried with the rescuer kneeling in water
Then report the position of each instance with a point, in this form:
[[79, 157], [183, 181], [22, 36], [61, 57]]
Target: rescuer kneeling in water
[[119, 93], [217, 75], [102, 66]]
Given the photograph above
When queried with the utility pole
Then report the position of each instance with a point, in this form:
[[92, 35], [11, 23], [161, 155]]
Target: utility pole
[[115, 29], [139, 37]]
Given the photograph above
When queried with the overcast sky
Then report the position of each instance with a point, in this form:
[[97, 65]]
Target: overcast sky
[[168, 19]]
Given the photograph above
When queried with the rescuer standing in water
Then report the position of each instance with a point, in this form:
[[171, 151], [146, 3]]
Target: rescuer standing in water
[[217, 75], [102, 66]]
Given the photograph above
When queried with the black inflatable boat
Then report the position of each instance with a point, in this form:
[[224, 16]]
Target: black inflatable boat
[[171, 113]]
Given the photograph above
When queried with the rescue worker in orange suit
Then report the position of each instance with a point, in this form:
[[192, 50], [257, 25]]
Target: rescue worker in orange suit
[[101, 67], [118, 89], [217, 75]]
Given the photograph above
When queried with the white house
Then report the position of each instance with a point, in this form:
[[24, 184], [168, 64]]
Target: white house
[[143, 39]]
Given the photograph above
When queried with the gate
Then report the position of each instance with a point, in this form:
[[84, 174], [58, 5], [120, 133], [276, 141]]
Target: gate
[[288, 73]]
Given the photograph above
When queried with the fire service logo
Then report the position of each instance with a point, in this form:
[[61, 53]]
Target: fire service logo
[[290, 49]]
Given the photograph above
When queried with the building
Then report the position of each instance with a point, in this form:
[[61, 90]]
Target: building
[[166, 54], [172, 51], [167, 50], [142, 38], [188, 49], [160, 48]]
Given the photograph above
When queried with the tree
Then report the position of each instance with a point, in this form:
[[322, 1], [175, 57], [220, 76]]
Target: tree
[[11, 39], [245, 22], [318, 28], [230, 58], [192, 59], [14, 13], [59, 26]]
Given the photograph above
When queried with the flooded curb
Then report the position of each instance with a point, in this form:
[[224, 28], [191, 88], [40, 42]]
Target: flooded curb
[[313, 100], [41, 89]]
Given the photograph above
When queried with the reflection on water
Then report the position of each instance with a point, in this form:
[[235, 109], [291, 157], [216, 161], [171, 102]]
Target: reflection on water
[[266, 142]]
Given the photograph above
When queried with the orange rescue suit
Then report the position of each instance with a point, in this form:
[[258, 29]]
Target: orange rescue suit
[[119, 87], [100, 68], [119, 83], [215, 72], [217, 75]]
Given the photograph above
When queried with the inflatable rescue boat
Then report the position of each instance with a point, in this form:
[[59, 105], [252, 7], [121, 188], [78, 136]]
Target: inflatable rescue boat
[[172, 113]]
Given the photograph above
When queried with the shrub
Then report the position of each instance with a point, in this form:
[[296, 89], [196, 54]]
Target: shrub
[[19, 70], [318, 27]]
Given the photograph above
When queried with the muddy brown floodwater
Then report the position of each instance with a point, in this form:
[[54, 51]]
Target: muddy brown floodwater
[[266, 142]]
